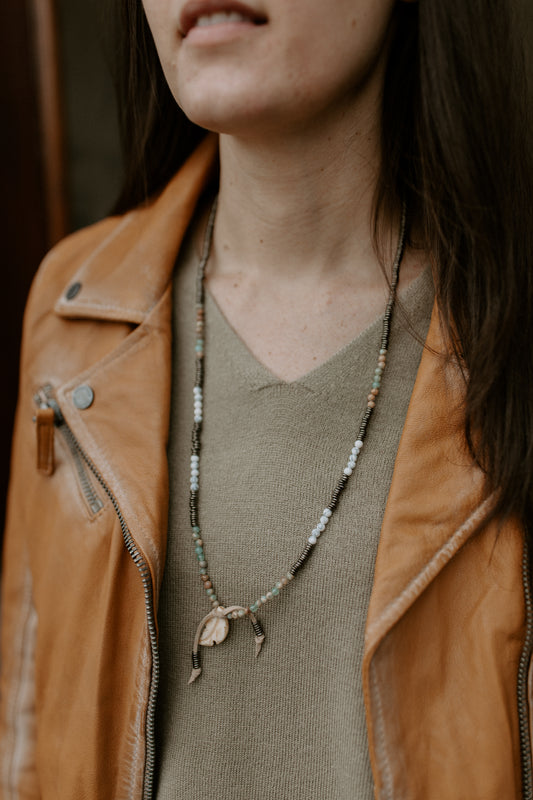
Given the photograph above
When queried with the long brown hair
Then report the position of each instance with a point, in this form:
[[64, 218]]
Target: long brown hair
[[456, 146]]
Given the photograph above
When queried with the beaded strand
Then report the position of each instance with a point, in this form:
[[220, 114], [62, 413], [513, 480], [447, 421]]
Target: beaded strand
[[327, 513]]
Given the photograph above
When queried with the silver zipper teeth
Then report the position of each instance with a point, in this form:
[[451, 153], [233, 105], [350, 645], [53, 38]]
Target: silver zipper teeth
[[144, 571], [523, 669], [94, 502]]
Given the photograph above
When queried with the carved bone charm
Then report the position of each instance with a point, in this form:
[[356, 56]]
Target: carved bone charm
[[214, 632]]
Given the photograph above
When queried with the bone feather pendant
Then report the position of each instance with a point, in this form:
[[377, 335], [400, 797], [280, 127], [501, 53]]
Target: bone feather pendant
[[214, 628]]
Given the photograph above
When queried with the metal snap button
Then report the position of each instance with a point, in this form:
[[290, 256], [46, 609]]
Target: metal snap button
[[83, 396], [72, 291]]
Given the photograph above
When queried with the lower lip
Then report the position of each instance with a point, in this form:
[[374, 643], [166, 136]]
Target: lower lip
[[220, 33]]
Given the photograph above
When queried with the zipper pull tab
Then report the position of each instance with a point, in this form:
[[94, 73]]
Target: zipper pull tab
[[44, 423]]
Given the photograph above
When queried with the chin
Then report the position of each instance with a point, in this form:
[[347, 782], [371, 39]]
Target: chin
[[226, 114]]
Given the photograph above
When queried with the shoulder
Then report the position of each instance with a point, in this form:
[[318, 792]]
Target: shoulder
[[55, 273], [117, 268]]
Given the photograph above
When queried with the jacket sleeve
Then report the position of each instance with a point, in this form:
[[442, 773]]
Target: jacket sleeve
[[18, 777]]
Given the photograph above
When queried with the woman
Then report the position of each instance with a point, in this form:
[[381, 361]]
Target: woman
[[377, 590]]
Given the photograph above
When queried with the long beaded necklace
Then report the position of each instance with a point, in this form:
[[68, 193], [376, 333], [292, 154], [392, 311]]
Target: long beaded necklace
[[214, 627]]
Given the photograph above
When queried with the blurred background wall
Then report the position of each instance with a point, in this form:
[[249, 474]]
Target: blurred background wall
[[92, 147], [59, 143]]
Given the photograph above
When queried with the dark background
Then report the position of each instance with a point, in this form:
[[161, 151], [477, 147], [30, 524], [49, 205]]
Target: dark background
[[60, 156]]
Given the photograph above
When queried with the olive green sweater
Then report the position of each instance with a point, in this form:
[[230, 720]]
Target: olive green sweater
[[291, 723]]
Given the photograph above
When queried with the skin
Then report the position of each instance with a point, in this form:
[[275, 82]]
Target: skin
[[297, 104]]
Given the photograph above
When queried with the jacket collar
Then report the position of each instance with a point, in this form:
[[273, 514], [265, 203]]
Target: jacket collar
[[141, 249]]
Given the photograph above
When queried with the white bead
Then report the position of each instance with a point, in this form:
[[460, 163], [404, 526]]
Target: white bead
[[324, 520], [315, 532], [327, 512], [359, 444], [194, 487], [195, 473], [347, 471], [321, 527], [355, 451], [312, 540], [197, 417], [195, 459]]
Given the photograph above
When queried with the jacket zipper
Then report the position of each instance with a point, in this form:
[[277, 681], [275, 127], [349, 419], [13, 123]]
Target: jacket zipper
[[523, 672], [45, 399], [83, 461]]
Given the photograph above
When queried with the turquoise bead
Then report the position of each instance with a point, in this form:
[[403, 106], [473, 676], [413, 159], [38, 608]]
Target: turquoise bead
[[275, 591], [376, 384], [203, 571], [199, 549], [210, 591], [214, 598], [196, 529], [254, 607]]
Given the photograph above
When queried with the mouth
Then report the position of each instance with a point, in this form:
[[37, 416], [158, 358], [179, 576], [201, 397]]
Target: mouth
[[209, 13]]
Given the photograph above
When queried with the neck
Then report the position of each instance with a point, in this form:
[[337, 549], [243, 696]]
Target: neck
[[301, 204]]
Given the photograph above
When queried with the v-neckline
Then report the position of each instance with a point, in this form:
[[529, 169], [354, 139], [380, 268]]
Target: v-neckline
[[258, 376]]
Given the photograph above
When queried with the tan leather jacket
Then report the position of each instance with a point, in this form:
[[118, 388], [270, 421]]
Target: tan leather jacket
[[448, 634]]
